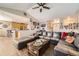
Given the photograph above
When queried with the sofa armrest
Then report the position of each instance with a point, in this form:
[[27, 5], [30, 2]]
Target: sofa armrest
[[66, 49]]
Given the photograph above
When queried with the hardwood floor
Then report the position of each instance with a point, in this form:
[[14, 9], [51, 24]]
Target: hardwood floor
[[49, 51], [8, 49]]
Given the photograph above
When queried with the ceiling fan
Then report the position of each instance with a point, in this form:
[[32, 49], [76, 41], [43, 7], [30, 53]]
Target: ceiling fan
[[41, 6]]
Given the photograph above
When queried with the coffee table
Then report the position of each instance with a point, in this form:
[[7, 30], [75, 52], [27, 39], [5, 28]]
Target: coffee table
[[37, 50]]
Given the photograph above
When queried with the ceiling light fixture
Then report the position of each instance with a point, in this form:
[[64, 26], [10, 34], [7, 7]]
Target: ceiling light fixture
[[42, 5]]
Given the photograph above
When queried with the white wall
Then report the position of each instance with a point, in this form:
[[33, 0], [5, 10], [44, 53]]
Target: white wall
[[3, 33], [23, 33], [6, 16], [26, 33]]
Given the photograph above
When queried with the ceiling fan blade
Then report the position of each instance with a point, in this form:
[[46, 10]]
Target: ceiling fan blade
[[35, 7], [41, 10], [46, 7], [39, 4], [43, 4]]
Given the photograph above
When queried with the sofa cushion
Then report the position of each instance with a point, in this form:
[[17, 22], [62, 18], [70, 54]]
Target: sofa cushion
[[64, 47], [76, 42]]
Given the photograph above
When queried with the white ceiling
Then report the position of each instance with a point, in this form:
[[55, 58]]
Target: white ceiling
[[57, 10], [17, 6]]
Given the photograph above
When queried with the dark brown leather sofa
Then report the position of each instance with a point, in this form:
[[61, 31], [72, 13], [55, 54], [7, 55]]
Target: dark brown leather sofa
[[23, 44]]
